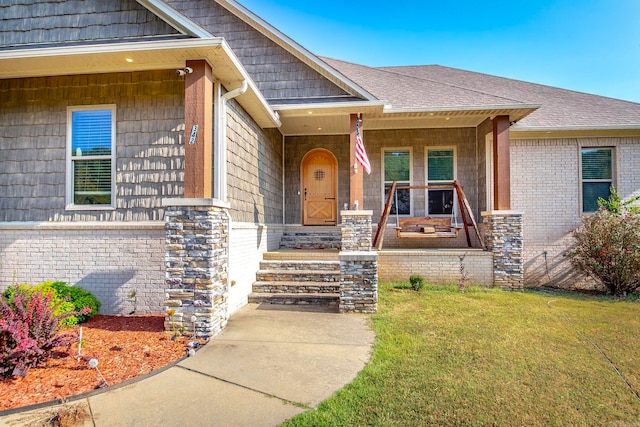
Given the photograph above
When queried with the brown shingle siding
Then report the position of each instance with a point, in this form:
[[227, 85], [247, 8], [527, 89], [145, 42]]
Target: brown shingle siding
[[149, 150], [54, 22], [277, 73]]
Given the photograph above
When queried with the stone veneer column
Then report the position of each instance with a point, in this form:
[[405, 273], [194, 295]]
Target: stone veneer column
[[196, 265], [358, 264], [504, 238]]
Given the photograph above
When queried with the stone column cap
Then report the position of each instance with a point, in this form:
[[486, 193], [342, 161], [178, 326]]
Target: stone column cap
[[358, 256], [181, 201], [509, 212], [356, 213]]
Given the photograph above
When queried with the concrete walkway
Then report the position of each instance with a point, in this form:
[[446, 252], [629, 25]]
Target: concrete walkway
[[270, 364]]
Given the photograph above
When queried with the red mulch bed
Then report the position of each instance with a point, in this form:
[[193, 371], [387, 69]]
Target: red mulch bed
[[125, 346]]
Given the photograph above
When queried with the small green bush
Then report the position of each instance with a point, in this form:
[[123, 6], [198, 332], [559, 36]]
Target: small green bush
[[417, 282], [79, 297], [65, 299]]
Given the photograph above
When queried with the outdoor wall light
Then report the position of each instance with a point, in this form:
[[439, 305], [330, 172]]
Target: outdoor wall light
[[183, 71]]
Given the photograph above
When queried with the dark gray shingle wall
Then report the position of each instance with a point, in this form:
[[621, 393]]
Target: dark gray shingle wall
[[278, 74], [28, 22], [149, 138]]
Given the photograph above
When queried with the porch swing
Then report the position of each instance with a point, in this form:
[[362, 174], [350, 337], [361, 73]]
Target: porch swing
[[428, 227]]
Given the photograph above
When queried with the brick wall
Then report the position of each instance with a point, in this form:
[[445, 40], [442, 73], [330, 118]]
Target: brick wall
[[108, 259], [546, 188], [437, 267], [248, 241]]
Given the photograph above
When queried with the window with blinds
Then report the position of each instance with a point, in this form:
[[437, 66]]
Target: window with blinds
[[597, 176], [91, 145], [397, 167], [441, 170]]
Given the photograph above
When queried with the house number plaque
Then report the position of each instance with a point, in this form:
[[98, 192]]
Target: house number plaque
[[194, 132]]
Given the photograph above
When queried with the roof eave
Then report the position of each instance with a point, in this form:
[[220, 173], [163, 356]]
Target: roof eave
[[296, 49], [144, 56], [174, 18], [519, 131]]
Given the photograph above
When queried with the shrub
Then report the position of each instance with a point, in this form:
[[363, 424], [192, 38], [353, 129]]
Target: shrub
[[80, 298], [29, 331], [417, 282], [65, 298], [607, 246]]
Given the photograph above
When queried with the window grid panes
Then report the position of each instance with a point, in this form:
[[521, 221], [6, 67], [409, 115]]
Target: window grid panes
[[397, 167], [91, 157], [440, 170], [597, 176]]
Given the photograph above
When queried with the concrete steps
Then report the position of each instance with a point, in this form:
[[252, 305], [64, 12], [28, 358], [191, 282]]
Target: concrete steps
[[299, 276]]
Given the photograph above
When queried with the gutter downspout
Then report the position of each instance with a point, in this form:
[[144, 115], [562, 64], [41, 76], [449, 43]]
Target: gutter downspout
[[220, 155], [220, 143]]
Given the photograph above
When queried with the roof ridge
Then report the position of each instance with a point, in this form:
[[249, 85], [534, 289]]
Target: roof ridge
[[386, 69], [493, 76]]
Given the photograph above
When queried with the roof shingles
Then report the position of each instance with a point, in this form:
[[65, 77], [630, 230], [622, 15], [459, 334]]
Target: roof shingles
[[437, 86]]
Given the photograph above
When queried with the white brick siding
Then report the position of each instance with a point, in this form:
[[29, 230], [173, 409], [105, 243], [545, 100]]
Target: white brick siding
[[545, 185], [109, 260]]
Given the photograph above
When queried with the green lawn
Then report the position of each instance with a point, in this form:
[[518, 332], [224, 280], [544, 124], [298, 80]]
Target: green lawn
[[490, 357]]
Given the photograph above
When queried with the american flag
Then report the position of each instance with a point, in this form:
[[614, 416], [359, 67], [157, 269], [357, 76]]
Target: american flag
[[361, 154]]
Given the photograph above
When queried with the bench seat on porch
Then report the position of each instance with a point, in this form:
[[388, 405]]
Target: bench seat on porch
[[425, 227]]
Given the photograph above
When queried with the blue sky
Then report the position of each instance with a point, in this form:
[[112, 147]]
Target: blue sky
[[586, 45]]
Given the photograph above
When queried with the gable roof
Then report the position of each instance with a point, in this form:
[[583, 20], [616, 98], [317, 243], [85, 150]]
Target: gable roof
[[560, 109], [295, 49]]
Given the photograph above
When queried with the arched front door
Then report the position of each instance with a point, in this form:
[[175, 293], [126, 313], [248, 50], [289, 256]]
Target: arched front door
[[319, 188]]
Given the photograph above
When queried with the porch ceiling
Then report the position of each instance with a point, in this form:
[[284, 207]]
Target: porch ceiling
[[332, 120], [139, 56]]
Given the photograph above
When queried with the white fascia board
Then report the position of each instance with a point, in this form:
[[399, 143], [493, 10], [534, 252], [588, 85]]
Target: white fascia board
[[351, 105], [110, 48], [524, 128], [293, 47], [252, 85], [390, 110], [174, 18]]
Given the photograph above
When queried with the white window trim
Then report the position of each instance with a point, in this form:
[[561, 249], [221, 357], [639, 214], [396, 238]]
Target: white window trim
[[613, 180], [426, 178], [69, 158], [410, 150]]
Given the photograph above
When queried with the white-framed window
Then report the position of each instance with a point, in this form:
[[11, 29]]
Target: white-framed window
[[396, 166], [441, 165], [91, 143], [596, 165]]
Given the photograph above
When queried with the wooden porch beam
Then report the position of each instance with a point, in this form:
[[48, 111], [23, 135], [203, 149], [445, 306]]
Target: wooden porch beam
[[501, 164], [198, 116], [356, 172]]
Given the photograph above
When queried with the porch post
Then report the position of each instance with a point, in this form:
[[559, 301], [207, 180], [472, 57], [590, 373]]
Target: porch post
[[501, 164], [504, 238], [198, 116], [356, 183], [196, 266], [358, 264]]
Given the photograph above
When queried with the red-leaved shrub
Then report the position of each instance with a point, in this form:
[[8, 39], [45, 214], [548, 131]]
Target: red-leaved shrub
[[29, 332], [607, 245]]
